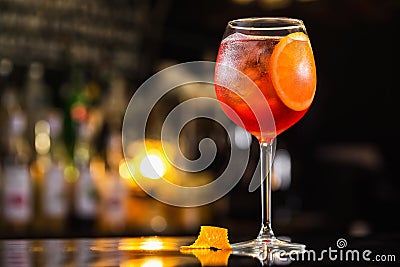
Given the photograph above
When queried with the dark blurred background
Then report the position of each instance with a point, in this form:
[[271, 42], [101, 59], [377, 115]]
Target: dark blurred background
[[68, 69]]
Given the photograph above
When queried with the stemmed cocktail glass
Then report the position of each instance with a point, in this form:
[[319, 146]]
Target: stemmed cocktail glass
[[276, 55]]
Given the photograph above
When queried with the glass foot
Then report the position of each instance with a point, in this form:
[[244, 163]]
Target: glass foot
[[267, 249]]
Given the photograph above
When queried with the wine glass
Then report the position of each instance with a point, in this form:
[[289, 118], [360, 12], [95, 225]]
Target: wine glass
[[276, 55]]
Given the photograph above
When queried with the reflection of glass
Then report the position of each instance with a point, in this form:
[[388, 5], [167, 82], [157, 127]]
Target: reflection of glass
[[267, 255], [275, 53]]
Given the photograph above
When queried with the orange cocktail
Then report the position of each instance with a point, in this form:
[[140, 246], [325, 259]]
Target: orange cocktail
[[283, 68], [276, 59]]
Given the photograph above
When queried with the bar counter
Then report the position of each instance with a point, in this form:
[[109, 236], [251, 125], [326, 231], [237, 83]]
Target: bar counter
[[162, 251]]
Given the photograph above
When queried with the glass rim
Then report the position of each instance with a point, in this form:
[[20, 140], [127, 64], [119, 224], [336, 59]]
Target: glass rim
[[292, 23]]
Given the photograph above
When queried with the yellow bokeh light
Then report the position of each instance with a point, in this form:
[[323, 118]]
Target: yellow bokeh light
[[126, 169], [42, 143], [148, 162], [42, 126], [71, 173], [152, 166]]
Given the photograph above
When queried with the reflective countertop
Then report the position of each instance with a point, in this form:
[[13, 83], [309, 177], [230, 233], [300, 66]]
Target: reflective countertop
[[164, 251]]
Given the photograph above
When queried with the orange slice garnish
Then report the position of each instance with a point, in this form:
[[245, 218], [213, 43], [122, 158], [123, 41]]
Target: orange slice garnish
[[210, 237], [293, 72]]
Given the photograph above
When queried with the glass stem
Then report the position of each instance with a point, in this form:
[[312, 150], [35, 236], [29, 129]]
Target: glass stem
[[266, 158]]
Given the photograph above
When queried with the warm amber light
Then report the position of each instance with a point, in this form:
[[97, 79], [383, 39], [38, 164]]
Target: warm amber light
[[152, 166], [152, 244], [149, 162], [97, 167], [149, 262], [42, 126], [126, 169], [152, 263], [42, 143]]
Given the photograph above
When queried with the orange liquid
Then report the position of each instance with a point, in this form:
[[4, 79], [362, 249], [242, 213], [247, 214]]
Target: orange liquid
[[251, 56]]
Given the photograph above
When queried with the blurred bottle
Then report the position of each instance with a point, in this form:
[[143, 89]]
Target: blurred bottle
[[85, 191], [37, 102], [74, 105], [55, 204], [82, 129], [81, 95], [17, 182], [113, 190], [8, 99]]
